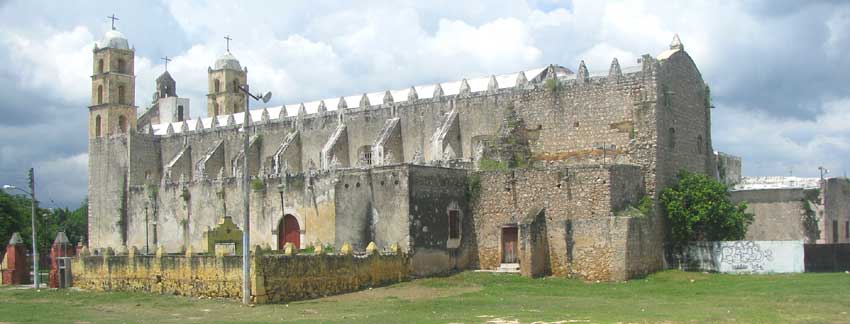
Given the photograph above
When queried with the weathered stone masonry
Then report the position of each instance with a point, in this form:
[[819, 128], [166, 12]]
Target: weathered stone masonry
[[391, 167]]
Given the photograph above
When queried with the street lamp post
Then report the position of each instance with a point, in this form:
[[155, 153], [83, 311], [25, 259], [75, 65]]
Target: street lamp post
[[246, 196], [34, 238]]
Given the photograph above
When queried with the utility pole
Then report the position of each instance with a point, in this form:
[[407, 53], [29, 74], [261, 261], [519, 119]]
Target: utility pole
[[246, 196], [34, 238]]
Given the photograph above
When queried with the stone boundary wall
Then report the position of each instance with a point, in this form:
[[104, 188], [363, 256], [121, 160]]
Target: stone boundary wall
[[201, 276], [281, 278], [275, 278]]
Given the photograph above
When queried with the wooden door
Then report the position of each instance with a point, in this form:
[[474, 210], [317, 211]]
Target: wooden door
[[510, 248], [288, 231]]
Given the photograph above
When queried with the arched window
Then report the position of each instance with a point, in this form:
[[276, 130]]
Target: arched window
[[215, 108], [122, 68], [121, 94], [100, 66], [179, 113], [235, 86], [97, 126], [671, 140], [216, 85], [100, 94], [122, 124], [699, 144]]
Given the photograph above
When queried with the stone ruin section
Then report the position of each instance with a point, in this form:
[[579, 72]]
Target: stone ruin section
[[569, 222]]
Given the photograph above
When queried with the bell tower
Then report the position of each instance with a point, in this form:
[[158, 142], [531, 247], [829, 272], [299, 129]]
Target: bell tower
[[224, 80], [112, 110]]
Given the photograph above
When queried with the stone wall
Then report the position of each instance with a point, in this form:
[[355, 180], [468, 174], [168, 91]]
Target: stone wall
[[778, 213], [584, 238], [290, 278], [197, 275], [836, 204], [275, 278]]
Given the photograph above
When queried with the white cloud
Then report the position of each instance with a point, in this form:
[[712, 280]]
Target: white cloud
[[56, 62]]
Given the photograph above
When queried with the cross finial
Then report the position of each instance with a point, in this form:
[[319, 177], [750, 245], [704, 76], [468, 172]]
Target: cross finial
[[166, 59], [113, 20], [227, 37]]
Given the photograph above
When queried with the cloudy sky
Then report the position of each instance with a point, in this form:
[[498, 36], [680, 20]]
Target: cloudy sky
[[779, 71]]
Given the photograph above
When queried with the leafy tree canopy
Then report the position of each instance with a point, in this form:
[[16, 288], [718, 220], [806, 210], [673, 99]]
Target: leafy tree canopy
[[15, 216], [698, 208]]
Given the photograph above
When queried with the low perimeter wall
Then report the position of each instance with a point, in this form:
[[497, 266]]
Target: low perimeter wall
[[745, 256], [275, 278], [827, 257]]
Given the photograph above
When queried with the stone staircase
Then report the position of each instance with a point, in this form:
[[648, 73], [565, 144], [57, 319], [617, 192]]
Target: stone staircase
[[509, 268]]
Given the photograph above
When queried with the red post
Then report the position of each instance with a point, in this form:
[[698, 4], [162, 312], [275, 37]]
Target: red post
[[17, 266], [61, 248]]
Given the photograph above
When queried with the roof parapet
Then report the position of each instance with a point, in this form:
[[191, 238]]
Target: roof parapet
[[388, 98], [364, 101], [342, 104], [492, 85], [615, 72], [583, 76], [411, 94], [521, 80], [322, 107]]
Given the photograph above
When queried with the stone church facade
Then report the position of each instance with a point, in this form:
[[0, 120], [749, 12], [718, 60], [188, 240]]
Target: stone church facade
[[535, 170]]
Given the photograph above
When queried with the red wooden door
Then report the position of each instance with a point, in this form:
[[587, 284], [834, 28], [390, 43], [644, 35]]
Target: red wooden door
[[288, 232], [509, 245]]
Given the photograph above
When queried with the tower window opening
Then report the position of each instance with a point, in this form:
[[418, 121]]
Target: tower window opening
[[100, 66], [699, 144], [180, 113], [122, 124], [97, 126], [120, 94], [216, 85], [99, 94], [215, 109], [122, 66], [235, 86]]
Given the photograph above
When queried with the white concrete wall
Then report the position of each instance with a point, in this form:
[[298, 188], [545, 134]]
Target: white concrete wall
[[746, 256]]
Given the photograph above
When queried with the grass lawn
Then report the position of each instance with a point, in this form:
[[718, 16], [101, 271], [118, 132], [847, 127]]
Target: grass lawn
[[668, 297]]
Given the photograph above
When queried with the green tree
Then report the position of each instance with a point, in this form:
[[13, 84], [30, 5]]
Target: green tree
[[15, 213], [698, 208]]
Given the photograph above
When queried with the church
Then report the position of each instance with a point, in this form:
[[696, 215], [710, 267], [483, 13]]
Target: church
[[536, 171]]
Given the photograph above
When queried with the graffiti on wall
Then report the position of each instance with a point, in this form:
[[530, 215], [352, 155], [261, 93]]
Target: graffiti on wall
[[744, 255]]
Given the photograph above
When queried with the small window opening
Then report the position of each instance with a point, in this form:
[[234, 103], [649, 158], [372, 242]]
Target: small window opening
[[454, 224], [99, 94], [216, 86], [121, 66], [122, 124], [121, 94], [215, 109], [97, 126], [235, 86], [699, 144], [100, 66], [180, 113]]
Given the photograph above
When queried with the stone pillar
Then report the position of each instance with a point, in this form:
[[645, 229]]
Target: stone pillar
[[17, 267], [61, 248]]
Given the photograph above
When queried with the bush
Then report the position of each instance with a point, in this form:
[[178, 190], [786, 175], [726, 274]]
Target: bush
[[698, 209]]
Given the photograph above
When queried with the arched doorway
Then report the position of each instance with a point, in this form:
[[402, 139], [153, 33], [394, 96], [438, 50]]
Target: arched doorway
[[288, 231]]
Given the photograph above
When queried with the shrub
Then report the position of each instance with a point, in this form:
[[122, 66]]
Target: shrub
[[699, 209]]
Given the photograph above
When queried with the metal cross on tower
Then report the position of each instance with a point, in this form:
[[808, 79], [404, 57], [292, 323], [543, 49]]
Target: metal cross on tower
[[166, 59], [227, 37], [113, 20]]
